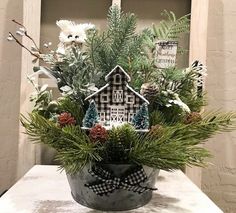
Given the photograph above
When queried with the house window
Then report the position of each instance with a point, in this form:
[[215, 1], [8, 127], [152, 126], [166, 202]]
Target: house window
[[104, 98], [117, 96], [130, 117], [117, 114], [117, 79], [102, 116], [130, 99]]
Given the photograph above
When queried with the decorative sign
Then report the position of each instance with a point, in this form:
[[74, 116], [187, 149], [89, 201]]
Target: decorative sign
[[165, 53]]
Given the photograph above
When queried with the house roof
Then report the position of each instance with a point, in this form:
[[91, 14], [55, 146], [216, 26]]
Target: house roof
[[117, 66], [136, 93], [128, 79], [129, 87], [102, 88]]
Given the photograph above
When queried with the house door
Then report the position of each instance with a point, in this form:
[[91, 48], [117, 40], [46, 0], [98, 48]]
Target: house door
[[117, 114]]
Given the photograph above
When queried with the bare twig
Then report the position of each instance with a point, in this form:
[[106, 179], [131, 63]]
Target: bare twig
[[23, 46], [27, 35]]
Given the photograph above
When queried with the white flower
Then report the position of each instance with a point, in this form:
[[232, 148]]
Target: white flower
[[22, 29], [10, 38], [47, 45], [20, 33]]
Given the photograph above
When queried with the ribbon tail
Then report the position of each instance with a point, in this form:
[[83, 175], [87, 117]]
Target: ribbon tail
[[137, 188]]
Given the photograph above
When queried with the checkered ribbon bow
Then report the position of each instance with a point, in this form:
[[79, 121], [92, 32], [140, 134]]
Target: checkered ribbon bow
[[108, 183]]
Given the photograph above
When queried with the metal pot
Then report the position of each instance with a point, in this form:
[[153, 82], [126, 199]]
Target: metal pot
[[119, 199]]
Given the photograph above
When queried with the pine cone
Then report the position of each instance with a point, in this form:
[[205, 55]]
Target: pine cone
[[149, 91], [66, 118], [156, 130], [193, 117], [98, 134]]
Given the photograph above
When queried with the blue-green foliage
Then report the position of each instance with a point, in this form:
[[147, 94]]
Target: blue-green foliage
[[91, 117], [141, 119]]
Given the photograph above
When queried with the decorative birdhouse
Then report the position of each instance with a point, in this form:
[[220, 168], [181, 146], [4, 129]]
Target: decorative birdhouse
[[117, 103]]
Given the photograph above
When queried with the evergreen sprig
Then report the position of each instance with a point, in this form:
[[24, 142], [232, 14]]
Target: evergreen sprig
[[173, 84], [176, 147], [119, 44], [169, 149], [172, 28], [72, 144]]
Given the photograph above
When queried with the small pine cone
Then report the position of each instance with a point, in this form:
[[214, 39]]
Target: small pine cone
[[66, 118], [98, 133], [149, 91], [156, 130], [193, 117]]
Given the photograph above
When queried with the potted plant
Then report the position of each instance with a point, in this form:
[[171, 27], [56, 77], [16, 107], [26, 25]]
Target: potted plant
[[126, 110]]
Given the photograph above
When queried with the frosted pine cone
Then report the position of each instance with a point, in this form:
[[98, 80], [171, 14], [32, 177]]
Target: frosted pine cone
[[156, 130], [66, 118], [149, 91]]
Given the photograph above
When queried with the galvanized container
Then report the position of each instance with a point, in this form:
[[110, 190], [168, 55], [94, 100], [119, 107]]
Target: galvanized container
[[119, 199]]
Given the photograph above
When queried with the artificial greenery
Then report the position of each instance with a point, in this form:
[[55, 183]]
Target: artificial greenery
[[42, 99], [119, 44], [72, 144], [176, 124], [172, 28], [171, 148]]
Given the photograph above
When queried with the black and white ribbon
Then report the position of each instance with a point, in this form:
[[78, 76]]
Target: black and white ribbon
[[108, 183]]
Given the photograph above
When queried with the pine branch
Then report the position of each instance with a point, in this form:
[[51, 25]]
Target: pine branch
[[72, 144], [175, 146], [119, 44]]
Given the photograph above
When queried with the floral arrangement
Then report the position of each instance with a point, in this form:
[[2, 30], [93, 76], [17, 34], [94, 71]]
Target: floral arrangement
[[173, 119]]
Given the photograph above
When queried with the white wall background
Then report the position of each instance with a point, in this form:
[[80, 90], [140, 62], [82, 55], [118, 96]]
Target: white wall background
[[17, 155], [10, 72], [219, 180]]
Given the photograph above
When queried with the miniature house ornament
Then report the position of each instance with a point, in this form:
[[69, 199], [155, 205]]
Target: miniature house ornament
[[117, 103]]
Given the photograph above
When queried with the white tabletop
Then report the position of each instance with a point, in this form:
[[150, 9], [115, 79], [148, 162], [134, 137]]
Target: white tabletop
[[45, 190]]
